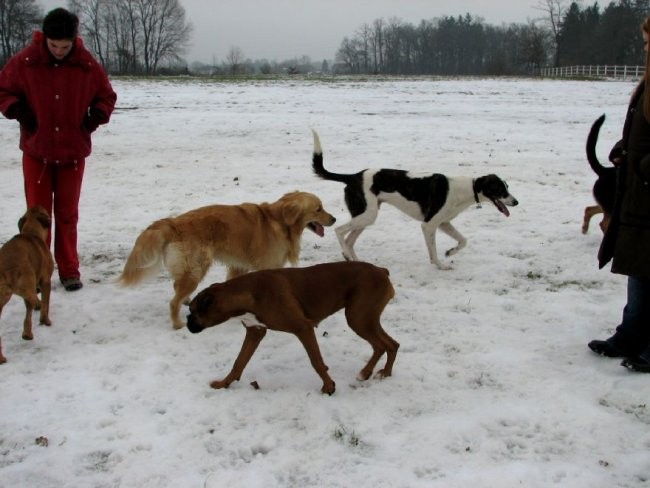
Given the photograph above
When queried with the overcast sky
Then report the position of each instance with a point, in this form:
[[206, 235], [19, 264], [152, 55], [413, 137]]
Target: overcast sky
[[284, 29]]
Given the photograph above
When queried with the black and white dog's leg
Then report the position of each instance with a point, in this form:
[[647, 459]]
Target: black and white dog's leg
[[341, 233], [348, 234], [451, 231], [352, 238], [429, 232]]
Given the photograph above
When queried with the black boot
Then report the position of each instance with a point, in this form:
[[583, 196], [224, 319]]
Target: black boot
[[607, 349]]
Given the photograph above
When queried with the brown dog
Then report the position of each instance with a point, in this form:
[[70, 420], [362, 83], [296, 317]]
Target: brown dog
[[244, 237], [295, 300], [26, 264]]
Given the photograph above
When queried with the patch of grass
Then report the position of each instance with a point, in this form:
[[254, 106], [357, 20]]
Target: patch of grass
[[343, 435]]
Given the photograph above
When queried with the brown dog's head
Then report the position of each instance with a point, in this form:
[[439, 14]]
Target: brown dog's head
[[493, 188], [305, 210], [36, 221], [205, 310]]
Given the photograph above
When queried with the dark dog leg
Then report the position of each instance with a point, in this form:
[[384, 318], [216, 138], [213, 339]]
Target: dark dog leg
[[46, 287], [589, 213], [308, 338], [254, 336], [380, 343], [605, 222], [2, 358], [30, 303]]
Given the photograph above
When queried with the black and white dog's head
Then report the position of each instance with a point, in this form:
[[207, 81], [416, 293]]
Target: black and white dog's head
[[492, 188]]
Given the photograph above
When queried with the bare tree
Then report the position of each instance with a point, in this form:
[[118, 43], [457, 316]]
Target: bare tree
[[93, 17], [235, 60], [555, 11], [125, 35], [350, 55], [378, 45], [533, 47], [165, 33], [18, 20]]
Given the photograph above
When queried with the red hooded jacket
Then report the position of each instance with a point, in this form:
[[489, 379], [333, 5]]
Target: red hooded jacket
[[60, 95]]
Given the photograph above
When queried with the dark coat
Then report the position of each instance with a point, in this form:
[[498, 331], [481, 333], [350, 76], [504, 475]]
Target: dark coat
[[627, 239], [58, 103]]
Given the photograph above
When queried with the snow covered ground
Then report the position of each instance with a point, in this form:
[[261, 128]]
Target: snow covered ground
[[493, 384]]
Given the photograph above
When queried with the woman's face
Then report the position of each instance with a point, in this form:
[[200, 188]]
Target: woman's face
[[61, 48]]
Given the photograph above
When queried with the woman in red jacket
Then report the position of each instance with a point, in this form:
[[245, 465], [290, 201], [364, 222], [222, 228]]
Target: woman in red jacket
[[59, 94]]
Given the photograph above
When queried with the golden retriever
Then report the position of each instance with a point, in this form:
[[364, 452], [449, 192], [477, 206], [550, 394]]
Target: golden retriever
[[245, 237], [26, 264]]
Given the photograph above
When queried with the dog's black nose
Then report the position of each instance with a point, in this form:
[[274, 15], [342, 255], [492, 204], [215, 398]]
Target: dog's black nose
[[192, 325]]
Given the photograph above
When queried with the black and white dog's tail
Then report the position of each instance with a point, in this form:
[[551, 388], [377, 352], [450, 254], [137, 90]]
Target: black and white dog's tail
[[319, 169], [592, 138]]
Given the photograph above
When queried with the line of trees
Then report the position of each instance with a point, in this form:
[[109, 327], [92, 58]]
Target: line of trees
[[127, 36], [444, 46], [565, 34], [17, 21], [151, 37]]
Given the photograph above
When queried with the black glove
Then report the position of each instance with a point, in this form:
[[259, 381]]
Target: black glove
[[24, 115], [93, 118]]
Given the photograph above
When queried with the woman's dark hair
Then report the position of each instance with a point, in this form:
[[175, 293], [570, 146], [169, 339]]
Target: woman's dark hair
[[60, 24]]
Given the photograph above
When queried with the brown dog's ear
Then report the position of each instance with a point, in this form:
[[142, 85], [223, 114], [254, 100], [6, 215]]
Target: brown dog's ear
[[203, 302], [21, 222], [44, 220]]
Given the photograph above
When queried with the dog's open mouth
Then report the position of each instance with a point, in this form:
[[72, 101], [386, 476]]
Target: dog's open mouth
[[501, 207], [316, 228]]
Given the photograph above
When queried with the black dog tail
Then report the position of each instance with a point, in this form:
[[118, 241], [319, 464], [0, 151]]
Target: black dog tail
[[319, 169], [592, 138]]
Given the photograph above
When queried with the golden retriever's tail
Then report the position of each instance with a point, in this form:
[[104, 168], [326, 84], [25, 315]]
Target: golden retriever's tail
[[146, 257]]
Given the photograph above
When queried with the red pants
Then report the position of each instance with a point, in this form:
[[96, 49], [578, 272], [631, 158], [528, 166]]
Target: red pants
[[58, 187]]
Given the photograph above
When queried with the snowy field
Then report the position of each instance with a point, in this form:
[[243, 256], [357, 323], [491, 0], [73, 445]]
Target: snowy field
[[493, 385]]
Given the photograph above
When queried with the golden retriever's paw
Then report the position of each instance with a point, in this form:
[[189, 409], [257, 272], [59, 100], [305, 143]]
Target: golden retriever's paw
[[28, 337], [3, 359]]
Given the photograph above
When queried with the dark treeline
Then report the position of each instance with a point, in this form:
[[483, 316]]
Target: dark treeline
[[467, 45], [608, 36], [151, 37]]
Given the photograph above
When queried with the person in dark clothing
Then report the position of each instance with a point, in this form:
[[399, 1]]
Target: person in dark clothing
[[59, 94], [627, 240]]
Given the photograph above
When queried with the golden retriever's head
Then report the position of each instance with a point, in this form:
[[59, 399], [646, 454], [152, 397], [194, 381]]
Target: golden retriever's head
[[301, 209], [36, 221]]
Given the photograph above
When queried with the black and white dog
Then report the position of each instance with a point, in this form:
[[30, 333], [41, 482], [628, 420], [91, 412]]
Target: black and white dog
[[433, 199]]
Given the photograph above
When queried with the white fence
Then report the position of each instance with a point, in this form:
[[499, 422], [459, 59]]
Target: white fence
[[601, 71]]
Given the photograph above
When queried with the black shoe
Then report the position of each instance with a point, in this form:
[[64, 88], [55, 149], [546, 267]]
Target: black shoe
[[72, 284], [637, 364], [605, 348]]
